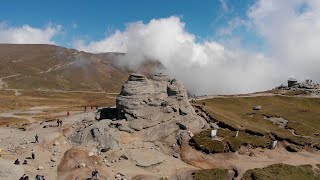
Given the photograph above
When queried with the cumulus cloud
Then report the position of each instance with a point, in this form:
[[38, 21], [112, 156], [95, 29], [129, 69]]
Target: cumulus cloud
[[28, 35], [290, 28], [205, 67]]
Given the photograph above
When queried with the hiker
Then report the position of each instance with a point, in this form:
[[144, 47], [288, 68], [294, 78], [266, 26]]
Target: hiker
[[38, 177], [58, 122], [17, 162], [85, 108], [95, 174], [43, 178], [32, 154], [68, 113], [25, 162], [23, 177], [37, 138], [26, 178]]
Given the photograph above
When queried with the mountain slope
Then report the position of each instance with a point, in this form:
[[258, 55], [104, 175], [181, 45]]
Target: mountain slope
[[50, 67]]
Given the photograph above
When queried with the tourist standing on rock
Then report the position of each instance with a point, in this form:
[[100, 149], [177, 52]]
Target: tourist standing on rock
[[85, 108], [38, 177], [36, 138], [58, 122], [68, 113]]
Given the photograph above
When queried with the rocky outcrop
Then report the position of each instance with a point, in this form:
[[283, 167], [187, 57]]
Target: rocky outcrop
[[148, 109], [148, 103]]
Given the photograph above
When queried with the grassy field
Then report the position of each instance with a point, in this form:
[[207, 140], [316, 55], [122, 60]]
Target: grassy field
[[53, 103], [282, 172], [303, 115], [210, 174], [229, 142]]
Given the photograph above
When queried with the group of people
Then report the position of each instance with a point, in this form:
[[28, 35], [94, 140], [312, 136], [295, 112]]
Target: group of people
[[59, 122], [38, 177], [25, 162], [95, 174]]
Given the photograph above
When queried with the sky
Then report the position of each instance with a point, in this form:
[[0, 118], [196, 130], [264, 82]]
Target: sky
[[212, 46]]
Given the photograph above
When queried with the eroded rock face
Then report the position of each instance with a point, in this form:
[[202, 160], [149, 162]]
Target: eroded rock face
[[147, 103], [148, 109]]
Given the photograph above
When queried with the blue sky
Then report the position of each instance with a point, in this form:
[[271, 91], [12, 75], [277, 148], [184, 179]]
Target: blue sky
[[235, 43], [91, 20]]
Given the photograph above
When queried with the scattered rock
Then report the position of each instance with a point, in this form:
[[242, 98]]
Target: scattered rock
[[82, 165], [53, 159], [182, 126], [56, 143], [105, 149], [214, 126], [123, 157], [40, 168], [257, 108], [176, 155], [125, 129]]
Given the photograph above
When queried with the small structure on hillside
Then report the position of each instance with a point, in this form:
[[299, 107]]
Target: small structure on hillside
[[274, 144], [214, 133], [292, 82]]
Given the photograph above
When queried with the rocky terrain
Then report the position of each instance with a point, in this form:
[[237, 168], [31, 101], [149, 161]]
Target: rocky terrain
[[154, 132]]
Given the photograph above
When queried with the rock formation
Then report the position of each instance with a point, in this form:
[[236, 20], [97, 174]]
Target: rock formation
[[150, 109], [146, 103]]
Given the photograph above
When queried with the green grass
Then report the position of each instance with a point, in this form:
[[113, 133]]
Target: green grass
[[204, 142], [217, 174], [243, 139], [281, 172], [303, 115]]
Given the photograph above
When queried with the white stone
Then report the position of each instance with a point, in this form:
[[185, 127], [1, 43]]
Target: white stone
[[82, 165], [40, 168], [214, 133]]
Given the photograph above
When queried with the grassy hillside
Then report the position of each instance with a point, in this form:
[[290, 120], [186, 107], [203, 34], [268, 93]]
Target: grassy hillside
[[283, 172], [303, 115], [53, 67]]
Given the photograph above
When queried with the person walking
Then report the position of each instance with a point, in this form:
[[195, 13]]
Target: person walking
[[58, 122], [36, 138], [33, 156]]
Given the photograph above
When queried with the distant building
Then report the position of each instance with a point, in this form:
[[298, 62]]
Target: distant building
[[292, 82]]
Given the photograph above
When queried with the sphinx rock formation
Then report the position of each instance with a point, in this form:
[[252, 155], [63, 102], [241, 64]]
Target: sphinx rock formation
[[157, 103], [151, 109]]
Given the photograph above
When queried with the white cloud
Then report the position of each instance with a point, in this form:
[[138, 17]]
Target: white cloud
[[292, 31], [28, 35], [205, 67], [291, 28]]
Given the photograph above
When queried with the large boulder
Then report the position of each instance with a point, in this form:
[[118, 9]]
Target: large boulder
[[148, 103]]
